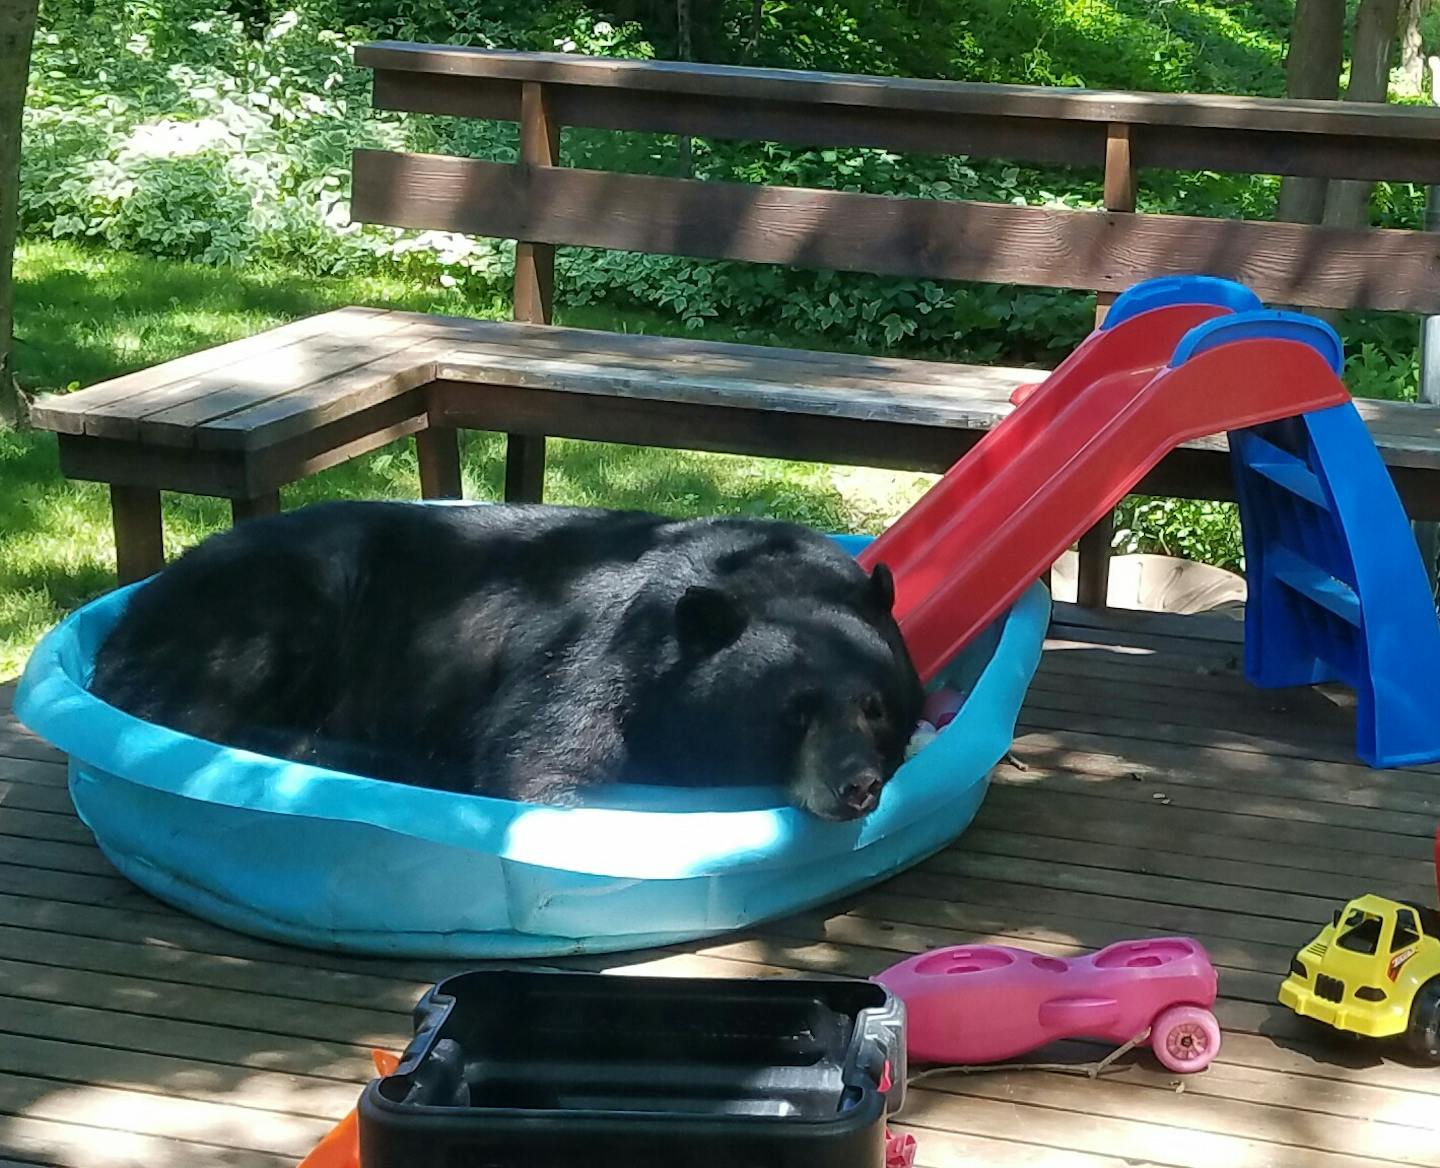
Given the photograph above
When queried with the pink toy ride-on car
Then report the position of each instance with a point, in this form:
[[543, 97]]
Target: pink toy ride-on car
[[986, 1003]]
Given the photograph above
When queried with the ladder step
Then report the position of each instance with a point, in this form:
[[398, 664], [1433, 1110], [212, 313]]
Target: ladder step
[[1315, 584], [1286, 471]]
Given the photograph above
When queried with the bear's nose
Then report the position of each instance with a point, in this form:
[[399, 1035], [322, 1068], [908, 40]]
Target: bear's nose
[[862, 792]]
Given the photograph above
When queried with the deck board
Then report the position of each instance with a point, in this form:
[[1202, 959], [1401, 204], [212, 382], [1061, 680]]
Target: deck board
[[1158, 794]]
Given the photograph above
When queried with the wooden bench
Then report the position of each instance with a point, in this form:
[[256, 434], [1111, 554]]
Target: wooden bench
[[241, 420]]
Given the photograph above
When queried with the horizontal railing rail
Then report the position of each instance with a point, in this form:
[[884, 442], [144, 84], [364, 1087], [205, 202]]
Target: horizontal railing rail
[[1025, 123], [927, 238]]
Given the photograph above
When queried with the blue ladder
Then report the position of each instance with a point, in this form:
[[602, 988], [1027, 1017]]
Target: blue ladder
[[1337, 589]]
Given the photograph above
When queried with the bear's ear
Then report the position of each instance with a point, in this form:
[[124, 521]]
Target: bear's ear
[[882, 588], [706, 620]]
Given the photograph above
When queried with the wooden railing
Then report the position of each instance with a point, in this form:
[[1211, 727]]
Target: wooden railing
[[541, 204]]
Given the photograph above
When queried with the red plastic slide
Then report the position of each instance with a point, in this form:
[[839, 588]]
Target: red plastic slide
[[1071, 450]]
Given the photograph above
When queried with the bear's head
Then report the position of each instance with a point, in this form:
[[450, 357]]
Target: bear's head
[[817, 694]]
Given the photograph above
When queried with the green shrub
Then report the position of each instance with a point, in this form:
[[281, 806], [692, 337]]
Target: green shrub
[[1193, 529], [194, 141]]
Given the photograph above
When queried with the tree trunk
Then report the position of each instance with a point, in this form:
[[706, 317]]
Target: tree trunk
[[1412, 55], [682, 28], [684, 154], [1312, 70], [17, 33], [1347, 203], [757, 16]]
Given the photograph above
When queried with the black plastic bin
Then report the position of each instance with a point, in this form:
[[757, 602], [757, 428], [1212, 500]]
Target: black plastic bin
[[513, 1069]]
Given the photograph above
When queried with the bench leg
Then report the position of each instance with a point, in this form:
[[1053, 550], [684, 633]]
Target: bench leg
[[256, 508], [1092, 577], [438, 448], [139, 538], [524, 468]]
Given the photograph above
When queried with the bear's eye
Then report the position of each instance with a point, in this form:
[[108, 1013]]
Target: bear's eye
[[800, 710], [872, 707]]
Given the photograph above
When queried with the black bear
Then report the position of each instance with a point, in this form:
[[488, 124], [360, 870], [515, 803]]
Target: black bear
[[527, 651]]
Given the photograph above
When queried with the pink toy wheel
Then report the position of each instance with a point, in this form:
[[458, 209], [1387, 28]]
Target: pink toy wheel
[[1185, 1038]]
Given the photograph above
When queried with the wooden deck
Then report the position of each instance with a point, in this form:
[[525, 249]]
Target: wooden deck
[[1159, 795]]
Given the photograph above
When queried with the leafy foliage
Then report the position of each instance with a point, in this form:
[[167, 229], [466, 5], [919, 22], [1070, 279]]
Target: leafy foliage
[[193, 140], [1193, 529]]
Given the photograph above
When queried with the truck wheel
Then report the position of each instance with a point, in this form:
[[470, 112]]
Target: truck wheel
[[1423, 1037]]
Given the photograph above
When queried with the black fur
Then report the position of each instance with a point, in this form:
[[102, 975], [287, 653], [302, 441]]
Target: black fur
[[527, 651]]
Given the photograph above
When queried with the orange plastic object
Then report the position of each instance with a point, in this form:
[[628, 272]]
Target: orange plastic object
[[1071, 450], [341, 1148]]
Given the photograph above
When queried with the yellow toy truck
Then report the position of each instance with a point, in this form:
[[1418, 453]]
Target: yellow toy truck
[[1375, 971]]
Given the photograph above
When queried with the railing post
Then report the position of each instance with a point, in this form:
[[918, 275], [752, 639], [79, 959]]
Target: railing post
[[1092, 584], [534, 287], [1119, 190], [1427, 534]]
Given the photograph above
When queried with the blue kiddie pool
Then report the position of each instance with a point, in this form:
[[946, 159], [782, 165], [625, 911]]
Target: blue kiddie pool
[[314, 857]]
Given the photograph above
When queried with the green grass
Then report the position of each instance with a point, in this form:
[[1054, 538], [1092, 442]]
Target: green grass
[[85, 315]]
